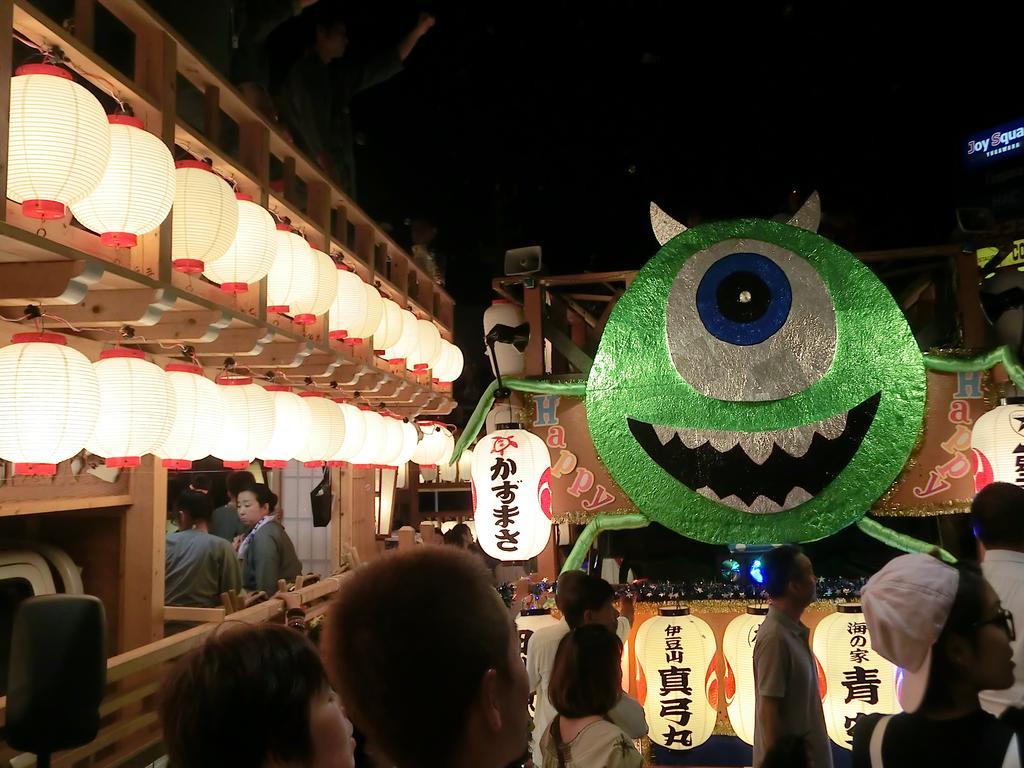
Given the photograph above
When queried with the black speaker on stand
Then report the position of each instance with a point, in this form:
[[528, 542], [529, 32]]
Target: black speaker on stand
[[57, 674]]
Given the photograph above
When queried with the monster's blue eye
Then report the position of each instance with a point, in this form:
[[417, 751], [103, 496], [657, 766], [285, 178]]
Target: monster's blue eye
[[744, 298]]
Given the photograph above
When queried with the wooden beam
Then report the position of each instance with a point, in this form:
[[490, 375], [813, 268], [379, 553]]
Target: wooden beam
[[240, 342], [142, 556], [197, 615], [533, 308], [197, 327], [111, 309], [54, 282], [588, 278], [288, 354], [904, 254], [211, 114]]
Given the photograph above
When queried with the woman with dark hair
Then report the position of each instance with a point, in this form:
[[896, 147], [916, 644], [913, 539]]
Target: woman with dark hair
[[267, 554], [208, 701], [586, 683], [946, 629]]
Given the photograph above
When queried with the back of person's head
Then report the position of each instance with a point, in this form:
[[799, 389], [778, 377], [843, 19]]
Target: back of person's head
[[459, 536], [591, 593], [586, 678], [780, 567], [567, 589], [997, 515], [419, 714], [243, 697], [240, 481], [788, 752], [196, 505]]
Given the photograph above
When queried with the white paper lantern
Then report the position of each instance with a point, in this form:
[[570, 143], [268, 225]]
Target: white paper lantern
[[676, 655], [205, 217], [428, 347], [252, 252], [326, 434], [249, 421], [198, 417], [374, 443], [996, 436], [50, 404], [511, 480], [410, 439], [374, 311], [319, 286], [432, 444], [355, 435], [407, 342], [349, 308], [137, 189], [464, 466], [291, 265], [504, 312], [857, 679], [137, 407], [394, 442], [449, 365], [389, 329], [738, 648], [293, 420], [59, 141]]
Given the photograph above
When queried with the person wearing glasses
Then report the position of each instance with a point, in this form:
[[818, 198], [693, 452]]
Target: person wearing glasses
[[997, 516], [945, 628]]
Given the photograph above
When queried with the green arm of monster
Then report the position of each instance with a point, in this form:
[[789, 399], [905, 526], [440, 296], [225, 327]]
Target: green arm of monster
[[531, 386], [902, 541], [1003, 355], [594, 527]]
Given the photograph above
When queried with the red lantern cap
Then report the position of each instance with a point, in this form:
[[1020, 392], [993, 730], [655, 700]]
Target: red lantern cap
[[243, 196], [117, 352], [304, 318], [176, 464], [188, 266], [312, 464], [233, 381], [278, 309], [281, 227], [43, 209], [123, 462], [199, 165], [234, 287], [274, 463], [184, 368], [119, 239], [310, 394], [277, 388], [35, 469], [236, 464], [39, 338], [43, 69], [134, 122], [338, 335]]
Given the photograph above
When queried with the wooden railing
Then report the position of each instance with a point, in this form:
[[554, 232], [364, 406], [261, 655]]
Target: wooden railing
[[129, 724], [87, 283]]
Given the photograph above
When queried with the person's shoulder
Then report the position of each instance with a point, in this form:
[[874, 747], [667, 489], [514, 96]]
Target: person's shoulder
[[552, 634]]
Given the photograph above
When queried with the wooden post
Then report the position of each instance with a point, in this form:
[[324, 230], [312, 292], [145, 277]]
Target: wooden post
[[254, 152], [406, 537], [337, 539], [85, 22], [548, 561], [318, 207], [211, 114], [142, 556], [358, 527]]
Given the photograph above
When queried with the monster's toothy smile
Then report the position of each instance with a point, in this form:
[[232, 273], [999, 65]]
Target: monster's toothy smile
[[759, 472]]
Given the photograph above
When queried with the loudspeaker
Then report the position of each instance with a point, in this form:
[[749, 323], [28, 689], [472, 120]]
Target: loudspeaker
[[523, 261], [57, 673]]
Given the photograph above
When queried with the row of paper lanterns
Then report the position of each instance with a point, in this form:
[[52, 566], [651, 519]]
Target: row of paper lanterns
[[675, 651], [121, 182], [123, 407]]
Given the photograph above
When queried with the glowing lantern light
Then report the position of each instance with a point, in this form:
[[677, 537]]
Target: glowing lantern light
[[374, 443], [137, 407], [410, 440], [464, 467], [374, 312], [319, 287], [349, 308], [389, 329], [327, 433], [293, 420], [394, 444], [994, 439], [428, 346], [252, 252], [284, 281], [518, 465], [407, 342], [449, 447], [249, 421], [51, 401], [857, 679], [449, 365], [205, 219], [504, 312], [738, 647], [355, 435], [59, 141], [676, 651], [137, 189], [198, 417], [431, 446]]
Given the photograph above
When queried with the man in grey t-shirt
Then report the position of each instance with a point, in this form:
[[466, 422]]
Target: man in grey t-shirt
[[785, 674]]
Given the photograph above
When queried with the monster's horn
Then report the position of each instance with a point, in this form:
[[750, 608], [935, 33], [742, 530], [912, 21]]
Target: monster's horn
[[809, 215], [664, 226]]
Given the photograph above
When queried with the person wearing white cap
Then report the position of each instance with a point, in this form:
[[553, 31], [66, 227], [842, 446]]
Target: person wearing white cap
[[945, 628], [997, 516]]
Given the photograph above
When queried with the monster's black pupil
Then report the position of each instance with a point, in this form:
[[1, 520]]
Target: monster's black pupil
[[743, 297]]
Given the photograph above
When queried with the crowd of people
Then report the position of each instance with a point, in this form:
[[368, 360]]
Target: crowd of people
[[948, 627], [238, 546]]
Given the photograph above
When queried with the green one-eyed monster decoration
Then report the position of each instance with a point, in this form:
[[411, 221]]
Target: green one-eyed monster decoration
[[755, 384]]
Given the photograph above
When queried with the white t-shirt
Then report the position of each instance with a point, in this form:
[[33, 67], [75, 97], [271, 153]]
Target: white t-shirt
[[628, 714], [1004, 570]]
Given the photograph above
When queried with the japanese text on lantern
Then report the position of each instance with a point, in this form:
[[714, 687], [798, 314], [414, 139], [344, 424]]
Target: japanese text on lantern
[[675, 692], [861, 683], [504, 475]]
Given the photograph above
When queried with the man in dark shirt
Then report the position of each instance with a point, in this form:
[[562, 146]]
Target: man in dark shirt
[[225, 521], [199, 567], [316, 97]]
